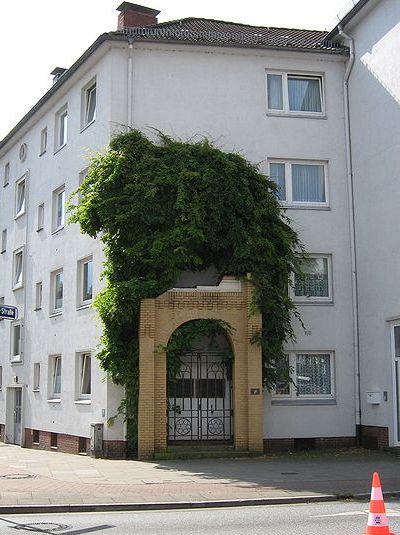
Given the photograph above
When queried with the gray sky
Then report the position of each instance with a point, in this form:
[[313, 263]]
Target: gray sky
[[38, 35]]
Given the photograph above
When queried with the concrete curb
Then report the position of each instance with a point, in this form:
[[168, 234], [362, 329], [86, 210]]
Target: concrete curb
[[153, 506]]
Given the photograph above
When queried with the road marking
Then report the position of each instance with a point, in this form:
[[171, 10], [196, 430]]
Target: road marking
[[390, 512]]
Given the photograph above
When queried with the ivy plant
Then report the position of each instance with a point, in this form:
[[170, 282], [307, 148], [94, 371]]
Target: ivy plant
[[167, 206]]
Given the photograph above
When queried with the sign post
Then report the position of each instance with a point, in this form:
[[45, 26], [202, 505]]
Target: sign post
[[8, 312]]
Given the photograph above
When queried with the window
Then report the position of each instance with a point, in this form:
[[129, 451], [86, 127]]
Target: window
[[85, 281], [38, 296], [20, 195], [58, 208], [18, 268], [36, 376], [55, 377], [16, 341], [1, 377], [311, 374], [300, 183], [314, 281], [84, 364], [6, 178], [61, 128], [89, 104], [2, 301], [3, 241], [40, 217], [294, 94], [57, 291], [43, 141]]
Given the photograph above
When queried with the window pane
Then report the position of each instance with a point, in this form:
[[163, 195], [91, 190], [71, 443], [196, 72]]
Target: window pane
[[313, 281], [308, 183], [397, 341], [282, 386], [87, 281], [21, 197], [18, 269], [57, 376], [277, 172], [274, 89], [85, 375], [58, 295], [63, 128], [304, 94], [60, 208], [91, 105], [313, 375], [16, 340]]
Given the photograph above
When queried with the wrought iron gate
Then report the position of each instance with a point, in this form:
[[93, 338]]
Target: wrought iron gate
[[200, 399]]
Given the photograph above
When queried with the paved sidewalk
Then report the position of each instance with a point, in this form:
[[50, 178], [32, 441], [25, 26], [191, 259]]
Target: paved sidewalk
[[30, 477]]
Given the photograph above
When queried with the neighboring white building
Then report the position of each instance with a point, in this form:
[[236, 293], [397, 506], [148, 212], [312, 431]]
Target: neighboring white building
[[275, 95]]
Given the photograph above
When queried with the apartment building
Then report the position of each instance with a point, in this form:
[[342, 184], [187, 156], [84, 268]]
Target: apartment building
[[275, 95]]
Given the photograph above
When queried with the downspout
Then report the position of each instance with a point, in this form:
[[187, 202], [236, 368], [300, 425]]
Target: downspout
[[350, 189], [129, 119]]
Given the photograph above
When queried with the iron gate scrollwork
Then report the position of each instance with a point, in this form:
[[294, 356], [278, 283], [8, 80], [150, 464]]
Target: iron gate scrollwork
[[200, 398]]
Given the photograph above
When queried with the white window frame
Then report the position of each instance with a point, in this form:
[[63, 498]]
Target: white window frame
[[18, 282], [293, 394], [20, 208], [58, 194], [3, 241], [1, 377], [289, 202], [43, 141], [285, 93], [87, 95], [53, 288], [6, 178], [61, 128], [2, 302], [16, 358], [55, 361], [81, 302], [80, 359], [40, 217], [38, 295], [304, 299], [36, 377]]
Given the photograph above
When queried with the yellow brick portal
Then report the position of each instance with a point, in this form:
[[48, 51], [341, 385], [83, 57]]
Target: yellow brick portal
[[159, 318]]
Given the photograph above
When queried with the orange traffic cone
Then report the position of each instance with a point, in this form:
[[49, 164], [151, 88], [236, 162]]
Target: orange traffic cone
[[377, 519]]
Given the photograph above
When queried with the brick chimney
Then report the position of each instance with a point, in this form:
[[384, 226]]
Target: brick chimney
[[132, 15]]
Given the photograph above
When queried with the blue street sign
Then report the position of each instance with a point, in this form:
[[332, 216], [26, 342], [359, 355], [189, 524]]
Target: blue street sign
[[8, 312]]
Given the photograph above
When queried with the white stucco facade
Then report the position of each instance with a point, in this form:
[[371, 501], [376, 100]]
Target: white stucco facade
[[188, 92]]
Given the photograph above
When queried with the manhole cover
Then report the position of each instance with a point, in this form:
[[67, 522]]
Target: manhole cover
[[43, 527], [289, 473], [17, 476]]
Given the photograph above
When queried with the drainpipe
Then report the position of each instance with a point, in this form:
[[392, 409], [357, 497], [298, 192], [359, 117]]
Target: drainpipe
[[129, 120], [350, 189]]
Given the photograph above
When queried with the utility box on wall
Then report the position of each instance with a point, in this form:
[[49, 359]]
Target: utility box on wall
[[96, 440], [373, 398]]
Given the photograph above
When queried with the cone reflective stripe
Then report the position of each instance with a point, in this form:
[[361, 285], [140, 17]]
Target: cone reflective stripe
[[377, 519]]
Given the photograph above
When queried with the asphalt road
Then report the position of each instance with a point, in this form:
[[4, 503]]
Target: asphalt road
[[338, 518]]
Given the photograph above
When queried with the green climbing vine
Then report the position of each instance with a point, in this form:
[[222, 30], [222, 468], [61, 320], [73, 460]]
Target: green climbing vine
[[164, 207]]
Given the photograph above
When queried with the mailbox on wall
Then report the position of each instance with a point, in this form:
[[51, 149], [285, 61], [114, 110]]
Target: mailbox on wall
[[373, 398]]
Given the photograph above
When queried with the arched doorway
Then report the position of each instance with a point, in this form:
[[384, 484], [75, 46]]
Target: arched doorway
[[199, 392]]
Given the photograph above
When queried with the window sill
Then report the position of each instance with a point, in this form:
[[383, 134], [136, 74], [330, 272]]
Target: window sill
[[309, 302], [83, 401], [17, 287], [84, 305], [297, 115], [37, 309], [303, 402], [57, 230], [36, 390], [43, 152], [3, 251], [39, 229], [20, 214], [17, 362], [305, 207], [54, 314], [87, 126], [5, 185], [55, 400], [60, 148]]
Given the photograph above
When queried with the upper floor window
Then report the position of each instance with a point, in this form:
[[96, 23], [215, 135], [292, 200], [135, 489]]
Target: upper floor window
[[43, 141], [300, 183], [40, 217], [58, 208], [36, 376], [89, 104], [6, 177], [57, 291], [16, 341], [2, 302], [20, 196], [38, 295], [294, 93], [314, 282], [85, 281], [3, 241], [61, 128], [18, 268]]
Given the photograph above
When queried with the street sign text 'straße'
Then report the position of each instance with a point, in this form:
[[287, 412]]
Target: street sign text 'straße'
[[8, 312]]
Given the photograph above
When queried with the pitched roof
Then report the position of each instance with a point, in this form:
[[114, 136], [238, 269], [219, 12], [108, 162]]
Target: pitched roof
[[202, 31]]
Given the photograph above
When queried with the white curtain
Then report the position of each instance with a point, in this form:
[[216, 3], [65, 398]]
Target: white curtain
[[277, 172], [313, 374], [308, 183], [304, 94], [274, 88]]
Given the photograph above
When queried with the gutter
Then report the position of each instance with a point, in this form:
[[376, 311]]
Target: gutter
[[350, 189]]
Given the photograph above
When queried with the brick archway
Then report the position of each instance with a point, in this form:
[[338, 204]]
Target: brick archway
[[159, 318]]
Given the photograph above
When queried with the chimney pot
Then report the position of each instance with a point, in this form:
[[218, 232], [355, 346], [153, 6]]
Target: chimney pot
[[133, 15]]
